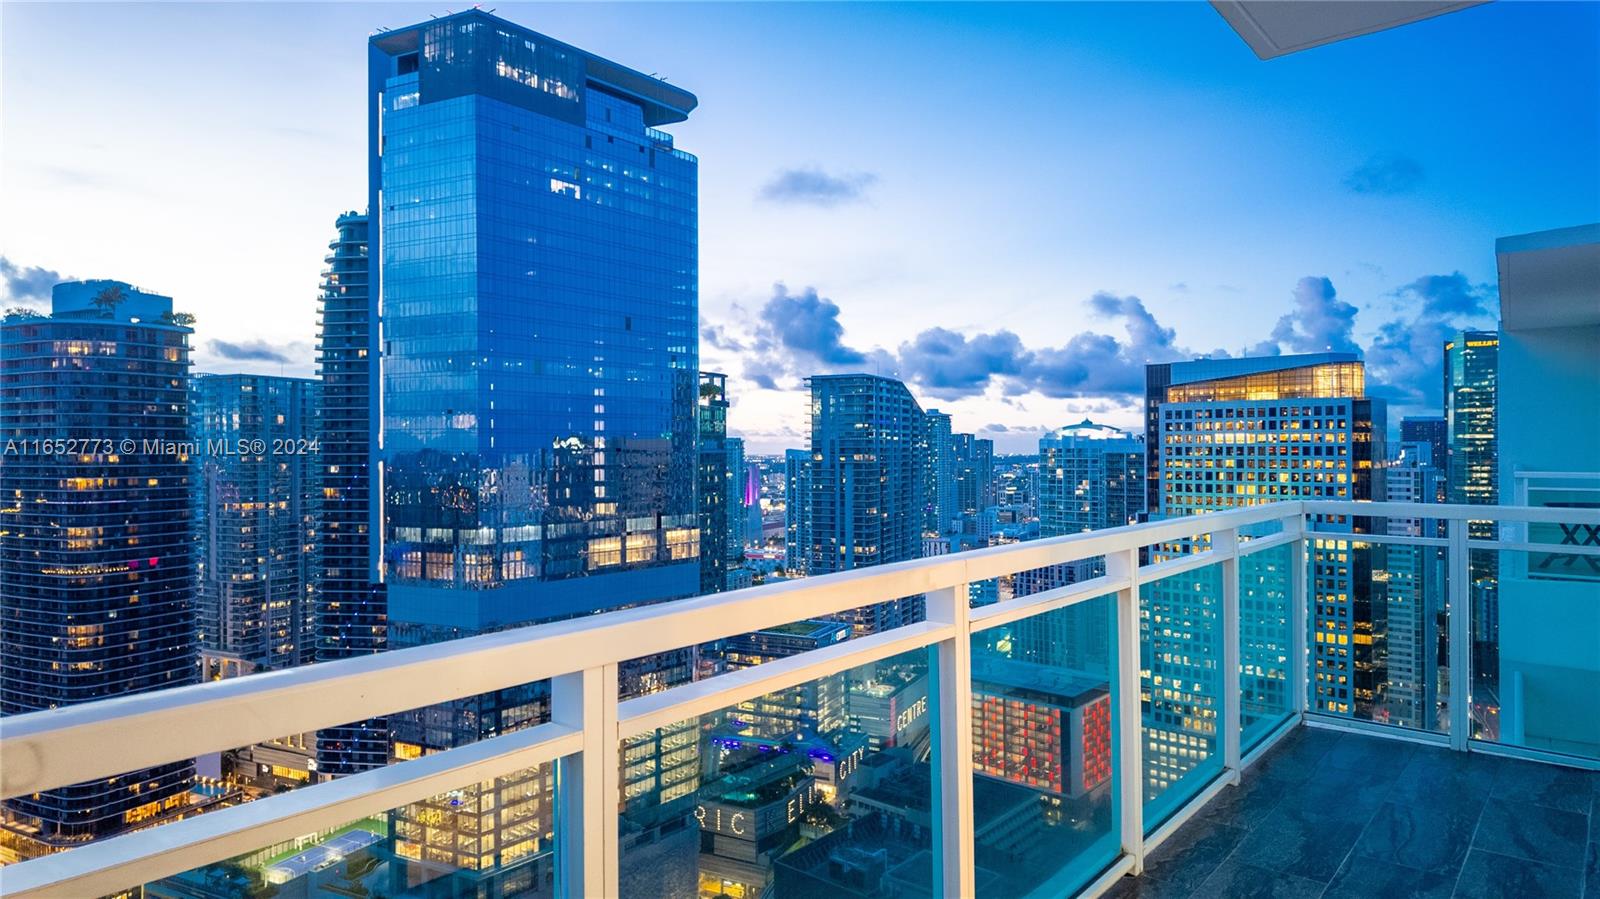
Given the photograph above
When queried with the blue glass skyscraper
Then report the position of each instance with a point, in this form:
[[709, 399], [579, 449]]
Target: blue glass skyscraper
[[537, 256], [535, 249]]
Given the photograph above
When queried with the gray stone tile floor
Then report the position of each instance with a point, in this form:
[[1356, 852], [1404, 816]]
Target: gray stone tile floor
[[1329, 814]]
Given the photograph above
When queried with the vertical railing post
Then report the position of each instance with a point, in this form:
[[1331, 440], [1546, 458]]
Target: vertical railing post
[[1124, 565], [1226, 545], [1299, 614], [953, 838], [1459, 597], [587, 784]]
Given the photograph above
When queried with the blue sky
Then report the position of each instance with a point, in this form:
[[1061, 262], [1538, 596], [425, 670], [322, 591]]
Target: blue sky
[[1010, 206]]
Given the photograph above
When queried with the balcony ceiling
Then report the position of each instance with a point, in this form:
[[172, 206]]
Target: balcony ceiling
[[1276, 27]]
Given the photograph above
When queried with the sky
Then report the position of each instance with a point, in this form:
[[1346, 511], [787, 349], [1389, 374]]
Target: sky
[[1013, 207]]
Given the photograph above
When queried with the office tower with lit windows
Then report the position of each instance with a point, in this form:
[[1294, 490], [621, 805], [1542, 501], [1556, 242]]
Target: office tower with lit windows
[[939, 488], [712, 481], [1414, 588], [733, 493], [97, 574], [796, 510], [866, 478], [1433, 431], [255, 517], [535, 239], [1471, 413], [1227, 433], [351, 617]]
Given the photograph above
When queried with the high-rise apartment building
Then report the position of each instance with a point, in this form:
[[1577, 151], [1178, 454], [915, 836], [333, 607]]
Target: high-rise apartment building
[[1226, 433], [733, 493], [351, 615], [1414, 587], [866, 477], [255, 517], [973, 467], [939, 490], [1471, 412], [535, 240], [712, 482], [796, 506], [1091, 476], [97, 574]]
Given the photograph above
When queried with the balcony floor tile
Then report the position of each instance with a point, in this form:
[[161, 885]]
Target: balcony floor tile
[[1364, 878], [1534, 832], [1489, 876], [1237, 880], [1334, 814]]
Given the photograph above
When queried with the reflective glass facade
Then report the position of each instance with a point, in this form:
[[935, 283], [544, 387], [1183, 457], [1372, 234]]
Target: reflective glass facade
[[535, 243], [538, 264], [1471, 412], [96, 567]]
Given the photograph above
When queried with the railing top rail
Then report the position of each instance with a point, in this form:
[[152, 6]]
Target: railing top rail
[[1455, 512], [48, 749]]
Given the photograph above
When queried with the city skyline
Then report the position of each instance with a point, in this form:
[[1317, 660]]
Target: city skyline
[[809, 203]]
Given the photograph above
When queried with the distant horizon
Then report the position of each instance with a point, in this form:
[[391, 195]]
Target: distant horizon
[[1010, 208]]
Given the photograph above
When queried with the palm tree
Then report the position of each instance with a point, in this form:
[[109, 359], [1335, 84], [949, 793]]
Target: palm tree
[[109, 299]]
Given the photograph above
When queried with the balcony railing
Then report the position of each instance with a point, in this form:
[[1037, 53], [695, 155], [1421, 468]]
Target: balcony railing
[[1282, 686]]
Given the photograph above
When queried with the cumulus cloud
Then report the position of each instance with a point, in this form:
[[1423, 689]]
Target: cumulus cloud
[[1404, 357], [1319, 322], [1450, 294], [1385, 175], [948, 365], [250, 351], [27, 284], [799, 333], [808, 324], [815, 187], [718, 336]]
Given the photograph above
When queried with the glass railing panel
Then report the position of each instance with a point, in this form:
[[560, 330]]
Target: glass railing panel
[[1536, 635], [821, 789], [1180, 660], [1378, 629], [1265, 585], [1044, 751], [988, 591], [493, 838], [1259, 530]]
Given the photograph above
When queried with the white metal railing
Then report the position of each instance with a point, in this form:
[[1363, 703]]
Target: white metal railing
[[45, 750]]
